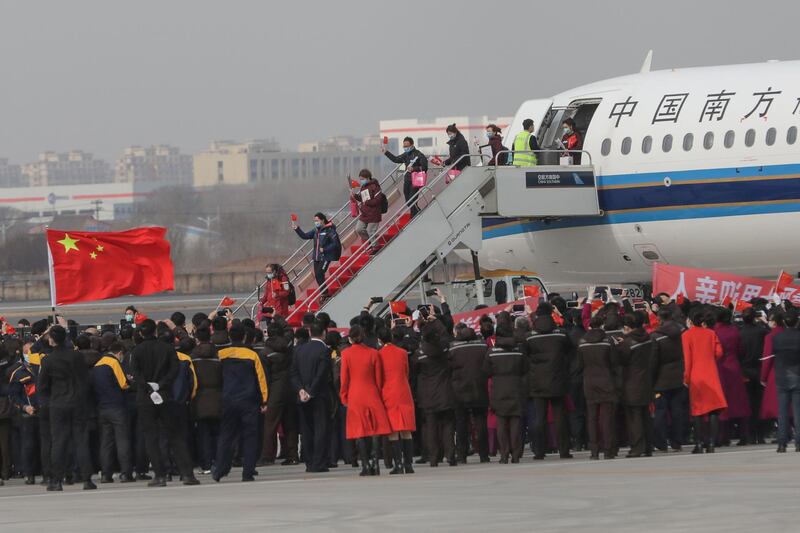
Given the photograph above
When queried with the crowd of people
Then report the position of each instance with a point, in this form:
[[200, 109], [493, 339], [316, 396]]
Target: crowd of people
[[149, 400]]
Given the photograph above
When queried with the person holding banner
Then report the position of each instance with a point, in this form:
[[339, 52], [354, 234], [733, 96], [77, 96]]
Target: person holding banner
[[701, 350]]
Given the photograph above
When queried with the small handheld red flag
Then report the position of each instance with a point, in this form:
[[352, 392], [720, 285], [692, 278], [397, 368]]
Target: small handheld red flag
[[727, 301], [293, 217], [784, 280], [385, 139], [741, 305], [680, 299], [531, 291], [227, 301], [398, 307], [596, 304]]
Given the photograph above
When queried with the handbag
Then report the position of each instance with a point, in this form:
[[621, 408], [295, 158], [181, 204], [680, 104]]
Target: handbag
[[452, 174], [419, 179]]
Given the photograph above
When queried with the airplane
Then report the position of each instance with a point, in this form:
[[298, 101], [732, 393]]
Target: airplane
[[697, 167]]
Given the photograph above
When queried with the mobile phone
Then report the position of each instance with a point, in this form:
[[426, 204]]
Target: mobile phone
[[268, 310], [376, 299], [518, 308], [430, 292], [572, 304]]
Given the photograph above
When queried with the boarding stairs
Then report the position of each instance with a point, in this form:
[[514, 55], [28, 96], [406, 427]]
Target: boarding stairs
[[406, 248]]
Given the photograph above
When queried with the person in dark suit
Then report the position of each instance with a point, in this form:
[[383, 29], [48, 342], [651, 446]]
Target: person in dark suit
[[281, 410], [155, 367], [312, 381], [64, 381], [638, 356]]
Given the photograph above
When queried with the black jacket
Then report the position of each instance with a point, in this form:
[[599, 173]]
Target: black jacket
[[311, 370], [548, 351], [434, 389], [327, 245], [638, 356], [64, 379], [277, 359], [597, 358], [154, 361], [786, 347], [752, 336], [469, 378], [419, 159], [508, 369], [458, 148], [669, 366], [207, 402]]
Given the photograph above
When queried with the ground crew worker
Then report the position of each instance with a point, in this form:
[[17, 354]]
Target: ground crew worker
[[63, 378], [638, 357], [471, 388], [508, 368], [525, 143], [109, 384], [244, 391], [23, 394]]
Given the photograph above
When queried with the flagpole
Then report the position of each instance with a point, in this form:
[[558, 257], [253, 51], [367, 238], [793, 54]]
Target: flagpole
[[52, 276]]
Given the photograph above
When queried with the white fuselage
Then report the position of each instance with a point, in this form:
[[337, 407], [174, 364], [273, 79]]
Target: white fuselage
[[724, 196]]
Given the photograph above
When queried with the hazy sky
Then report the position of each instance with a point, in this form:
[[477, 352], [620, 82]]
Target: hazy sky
[[104, 74]]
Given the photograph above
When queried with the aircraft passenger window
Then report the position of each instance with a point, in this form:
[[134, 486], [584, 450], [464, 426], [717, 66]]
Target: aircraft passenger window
[[647, 144], [708, 140], [605, 148], [666, 144], [688, 140], [730, 136], [771, 134], [626, 146], [750, 138], [791, 135]]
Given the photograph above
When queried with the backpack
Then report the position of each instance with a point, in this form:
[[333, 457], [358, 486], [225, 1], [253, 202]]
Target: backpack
[[292, 299], [337, 251], [502, 160], [384, 204]]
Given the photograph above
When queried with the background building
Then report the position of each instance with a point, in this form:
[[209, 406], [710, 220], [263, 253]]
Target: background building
[[105, 201], [429, 135], [159, 163], [72, 168], [10, 175], [230, 163]]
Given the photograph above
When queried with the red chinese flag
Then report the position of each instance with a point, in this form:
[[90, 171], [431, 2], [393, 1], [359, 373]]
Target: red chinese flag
[[227, 302], [727, 301], [741, 305], [597, 304], [398, 307], [680, 299], [90, 265], [531, 291], [784, 280], [293, 217]]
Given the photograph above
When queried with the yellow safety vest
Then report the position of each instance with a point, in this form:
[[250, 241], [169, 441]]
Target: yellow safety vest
[[522, 144]]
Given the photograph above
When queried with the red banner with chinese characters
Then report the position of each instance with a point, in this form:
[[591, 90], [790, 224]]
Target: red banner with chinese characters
[[471, 318], [709, 286]]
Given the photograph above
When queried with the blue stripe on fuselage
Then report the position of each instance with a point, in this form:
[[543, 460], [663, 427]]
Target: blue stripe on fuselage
[[745, 186]]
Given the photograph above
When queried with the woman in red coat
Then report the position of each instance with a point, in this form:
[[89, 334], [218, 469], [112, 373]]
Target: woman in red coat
[[276, 293], [769, 402], [362, 381], [701, 350], [396, 393]]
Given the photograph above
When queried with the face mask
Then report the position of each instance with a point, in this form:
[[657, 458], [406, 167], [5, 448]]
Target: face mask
[[407, 149], [26, 357], [270, 275], [567, 131], [489, 134], [363, 182], [317, 224], [451, 135], [129, 318]]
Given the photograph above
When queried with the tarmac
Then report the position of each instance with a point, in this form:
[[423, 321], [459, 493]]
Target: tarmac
[[737, 489]]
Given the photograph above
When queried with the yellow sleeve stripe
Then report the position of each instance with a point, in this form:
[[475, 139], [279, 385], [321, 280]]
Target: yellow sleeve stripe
[[183, 357], [246, 354], [116, 368]]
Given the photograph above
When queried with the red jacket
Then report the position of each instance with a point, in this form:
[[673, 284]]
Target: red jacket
[[370, 210], [701, 349], [362, 381], [276, 295], [396, 390]]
